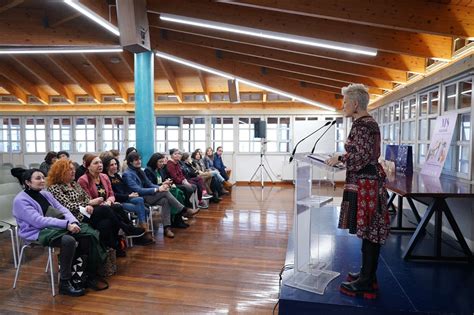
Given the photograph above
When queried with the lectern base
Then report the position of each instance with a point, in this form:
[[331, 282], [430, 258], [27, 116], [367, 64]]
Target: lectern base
[[315, 201], [315, 282]]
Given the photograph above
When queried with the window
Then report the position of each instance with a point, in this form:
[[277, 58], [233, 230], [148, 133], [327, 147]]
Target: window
[[194, 133], [340, 133], [247, 142], [219, 97], [390, 126], [278, 134], [35, 135], [60, 133], [222, 133], [10, 135], [251, 97], [166, 98], [112, 133], [85, 135], [167, 133], [194, 98], [132, 132], [458, 158]]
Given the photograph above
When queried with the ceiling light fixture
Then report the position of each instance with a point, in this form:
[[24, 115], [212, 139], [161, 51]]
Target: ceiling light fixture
[[65, 50], [245, 81], [93, 16], [303, 40]]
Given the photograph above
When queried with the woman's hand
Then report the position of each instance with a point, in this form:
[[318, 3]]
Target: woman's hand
[[89, 209], [168, 181], [332, 161], [163, 188], [133, 195], [96, 201], [73, 228]]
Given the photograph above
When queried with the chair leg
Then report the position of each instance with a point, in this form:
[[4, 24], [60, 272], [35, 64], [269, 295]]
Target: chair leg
[[150, 217], [50, 263], [19, 265], [15, 263], [17, 242]]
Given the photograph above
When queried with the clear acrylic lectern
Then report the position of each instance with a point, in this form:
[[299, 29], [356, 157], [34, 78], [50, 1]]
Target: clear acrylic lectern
[[310, 273]]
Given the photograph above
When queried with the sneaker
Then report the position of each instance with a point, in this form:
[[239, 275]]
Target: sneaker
[[206, 196], [203, 205]]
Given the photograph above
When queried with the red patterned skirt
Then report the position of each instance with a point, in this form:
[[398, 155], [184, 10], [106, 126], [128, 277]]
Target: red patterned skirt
[[364, 205]]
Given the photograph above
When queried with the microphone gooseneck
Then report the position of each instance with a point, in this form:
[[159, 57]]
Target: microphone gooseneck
[[312, 133], [331, 124]]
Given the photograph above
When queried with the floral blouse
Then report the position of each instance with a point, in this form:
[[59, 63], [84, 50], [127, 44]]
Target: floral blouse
[[71, 197]]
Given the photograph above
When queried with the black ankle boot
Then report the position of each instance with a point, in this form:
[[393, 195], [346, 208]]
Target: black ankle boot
[[66, 288], [179, 223], [363, 286], [131, 230], [353, 276]]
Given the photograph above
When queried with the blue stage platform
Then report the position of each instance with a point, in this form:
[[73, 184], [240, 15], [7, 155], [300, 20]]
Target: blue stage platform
[[406, 287]]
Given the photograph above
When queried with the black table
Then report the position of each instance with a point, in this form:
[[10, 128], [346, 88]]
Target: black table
[[433, 192]]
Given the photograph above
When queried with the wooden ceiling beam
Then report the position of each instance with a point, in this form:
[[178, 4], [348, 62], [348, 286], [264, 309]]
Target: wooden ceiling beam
[[41, 73], [403, 42], [10, 4], [71, 71], [208, 58], [105, 73], [383, 59], [204, 85], [11, 74], [316, 80], [129, 59], [171, 77], [323, 73], [13, 89], [292, 58], [447, 19], [26, 27]]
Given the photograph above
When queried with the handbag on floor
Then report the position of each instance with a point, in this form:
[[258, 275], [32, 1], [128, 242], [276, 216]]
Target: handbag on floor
[[109, 267]]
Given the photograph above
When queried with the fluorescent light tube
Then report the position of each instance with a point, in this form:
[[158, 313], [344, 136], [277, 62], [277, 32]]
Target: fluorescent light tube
[[269, 35], [245, 81], [193, 65], [93, 16], [32, 50]]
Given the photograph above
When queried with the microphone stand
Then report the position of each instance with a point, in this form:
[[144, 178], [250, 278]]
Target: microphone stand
[[294, 150], [314, 147]]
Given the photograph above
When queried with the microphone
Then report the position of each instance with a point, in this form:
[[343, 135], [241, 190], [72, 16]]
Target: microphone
[[332, 123], [294, 150]]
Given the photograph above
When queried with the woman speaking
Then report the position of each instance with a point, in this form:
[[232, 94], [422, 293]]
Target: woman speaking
[[364, 203]]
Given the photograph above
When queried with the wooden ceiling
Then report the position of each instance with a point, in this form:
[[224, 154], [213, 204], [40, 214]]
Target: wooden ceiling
[[406, 34]]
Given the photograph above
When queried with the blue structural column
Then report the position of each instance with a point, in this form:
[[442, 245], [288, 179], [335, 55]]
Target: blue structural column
[[144, 104]]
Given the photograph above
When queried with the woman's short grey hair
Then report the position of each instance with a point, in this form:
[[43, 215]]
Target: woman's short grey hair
[[358, 93]]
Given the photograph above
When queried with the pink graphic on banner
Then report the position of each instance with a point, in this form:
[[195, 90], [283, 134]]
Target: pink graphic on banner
[[439, 145]]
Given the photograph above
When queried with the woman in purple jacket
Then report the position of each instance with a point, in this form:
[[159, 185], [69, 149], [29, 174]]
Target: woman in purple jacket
[[30, 207]]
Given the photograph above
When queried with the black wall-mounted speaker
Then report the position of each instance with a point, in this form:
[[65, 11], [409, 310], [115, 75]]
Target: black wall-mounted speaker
[[234, 96], [260, 129]]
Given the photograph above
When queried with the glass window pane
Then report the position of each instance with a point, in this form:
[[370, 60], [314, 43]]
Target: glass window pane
[[450, 97], [423, 129], [466, 127], [228, 134], [465, 88], [423, 104], [434, 102]]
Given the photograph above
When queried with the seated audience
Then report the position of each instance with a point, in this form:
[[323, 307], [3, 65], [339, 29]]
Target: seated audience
[[192, 175], [199, 165], [159, 195], [41, 218], [130, 201], [209, 162], [49, 159], [63, 155], [94, 212], [188, 186], [124, 164], [157, 174], [81, 170]]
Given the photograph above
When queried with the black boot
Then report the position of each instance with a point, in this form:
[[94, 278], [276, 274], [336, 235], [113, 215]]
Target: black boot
[[363, 286], [179, 223], [352, 276], [131, 230], [66, 288]]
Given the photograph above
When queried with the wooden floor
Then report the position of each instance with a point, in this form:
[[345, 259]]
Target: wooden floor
[[227, 262]]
